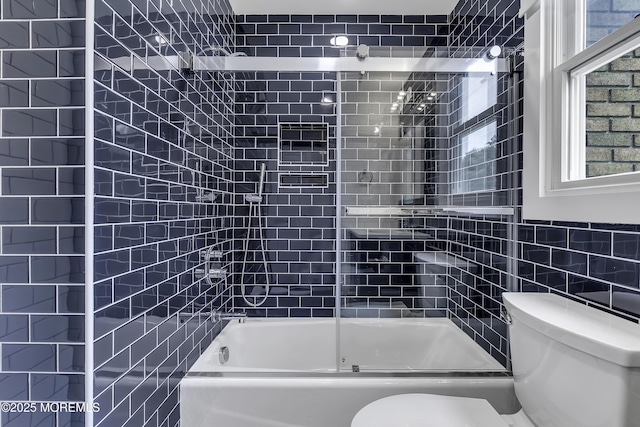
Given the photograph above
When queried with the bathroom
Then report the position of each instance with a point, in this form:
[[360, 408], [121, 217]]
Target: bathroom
[[132, 215]]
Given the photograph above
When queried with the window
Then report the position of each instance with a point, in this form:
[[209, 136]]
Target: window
[[582, 110]]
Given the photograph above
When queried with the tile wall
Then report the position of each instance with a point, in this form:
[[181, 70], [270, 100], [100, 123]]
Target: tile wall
[[483, 241], [162, 152], [300, 222], [593, 263], [42, 158]]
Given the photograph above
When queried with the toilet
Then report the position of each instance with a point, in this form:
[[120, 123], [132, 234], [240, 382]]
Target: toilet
[[573, 366]]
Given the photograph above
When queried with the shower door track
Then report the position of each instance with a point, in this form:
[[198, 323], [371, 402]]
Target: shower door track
[[345, 64]]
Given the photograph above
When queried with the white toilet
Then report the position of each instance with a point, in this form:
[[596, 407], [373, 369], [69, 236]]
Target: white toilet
[[573, 366]]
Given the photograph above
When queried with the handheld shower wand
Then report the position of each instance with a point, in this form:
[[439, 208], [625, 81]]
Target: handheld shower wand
[[255, 211], [257, 196], [263, 172]]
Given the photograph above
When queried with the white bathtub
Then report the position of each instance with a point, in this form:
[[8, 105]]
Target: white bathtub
[[283, 372]]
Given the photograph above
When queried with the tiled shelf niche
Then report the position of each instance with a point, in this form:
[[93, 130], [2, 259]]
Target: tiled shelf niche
[[303, 144]]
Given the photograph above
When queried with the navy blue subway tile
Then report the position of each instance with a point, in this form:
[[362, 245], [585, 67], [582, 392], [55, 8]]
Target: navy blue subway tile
[[626, 246], [61, 387], [14, 328], [625, 300], [29, 240], [14, 94], [14, 387], [614, 270], [14, 152], [569, 261], [63, 33], [26, 181], [28, 357], [597, 242], [24, 9], [15, 35], [23, 123], [24, 64]]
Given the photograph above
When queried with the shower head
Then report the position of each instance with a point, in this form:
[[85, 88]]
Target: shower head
[[221, 51]]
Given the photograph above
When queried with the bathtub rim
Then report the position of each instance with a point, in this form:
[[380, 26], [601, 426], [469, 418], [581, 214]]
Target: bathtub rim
[[349, 375], [230, 326]]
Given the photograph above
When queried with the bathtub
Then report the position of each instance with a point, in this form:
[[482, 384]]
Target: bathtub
[[282, 372]]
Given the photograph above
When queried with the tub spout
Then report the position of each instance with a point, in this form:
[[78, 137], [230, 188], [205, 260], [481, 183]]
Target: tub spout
[[223, 315]]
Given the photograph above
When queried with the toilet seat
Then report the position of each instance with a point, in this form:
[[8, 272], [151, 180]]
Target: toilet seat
[[428, 410]]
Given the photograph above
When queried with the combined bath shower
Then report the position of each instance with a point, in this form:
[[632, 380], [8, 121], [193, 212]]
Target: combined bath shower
[[255, 211]]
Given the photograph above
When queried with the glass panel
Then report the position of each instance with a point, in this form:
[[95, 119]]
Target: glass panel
[[612, 118], [478, 92], [475, 160], [606, 16], [385, 135], [414, 139]]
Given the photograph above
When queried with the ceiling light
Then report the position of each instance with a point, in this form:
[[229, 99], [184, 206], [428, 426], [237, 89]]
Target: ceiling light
[[432, 94], [429, 98], [394, 105], [376, 130], [423, 105], [402, 93], [339, 41]]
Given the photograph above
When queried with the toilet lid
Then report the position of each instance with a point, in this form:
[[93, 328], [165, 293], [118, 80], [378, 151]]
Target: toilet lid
[[428, 410]]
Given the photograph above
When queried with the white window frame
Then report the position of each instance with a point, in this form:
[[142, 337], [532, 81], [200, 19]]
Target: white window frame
[[554, 185]]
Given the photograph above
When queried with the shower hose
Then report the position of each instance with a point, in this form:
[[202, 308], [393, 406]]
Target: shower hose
[[255, 203]]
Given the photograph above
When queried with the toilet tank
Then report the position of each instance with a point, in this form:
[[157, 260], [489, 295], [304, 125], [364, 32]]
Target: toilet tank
[[573, 365]]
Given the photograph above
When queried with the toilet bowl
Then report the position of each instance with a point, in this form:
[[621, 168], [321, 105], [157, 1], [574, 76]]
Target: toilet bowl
[[430, 410], [409, 410], [573, 366]]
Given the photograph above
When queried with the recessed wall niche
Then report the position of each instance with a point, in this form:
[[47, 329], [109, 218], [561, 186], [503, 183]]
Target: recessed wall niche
[[303, 144]]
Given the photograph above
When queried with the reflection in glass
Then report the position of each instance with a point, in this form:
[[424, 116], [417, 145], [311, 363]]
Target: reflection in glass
[[604, 17], [474, 160], [478, 92]]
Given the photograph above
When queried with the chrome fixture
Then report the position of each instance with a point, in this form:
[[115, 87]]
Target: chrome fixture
[[362, 52], [213, 273], [223, 354], [218, 316], [221, 51], [494, 52], [255, 211], [505, 316], [212, 266]]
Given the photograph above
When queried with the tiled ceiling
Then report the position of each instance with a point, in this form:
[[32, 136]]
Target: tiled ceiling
[[334, 7]]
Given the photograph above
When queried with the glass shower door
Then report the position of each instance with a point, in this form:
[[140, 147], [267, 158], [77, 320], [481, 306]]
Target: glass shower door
[[413, 145]]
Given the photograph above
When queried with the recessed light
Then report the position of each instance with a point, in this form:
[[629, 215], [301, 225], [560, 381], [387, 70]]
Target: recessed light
[[339, 41], [161, 40]]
